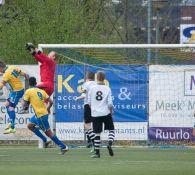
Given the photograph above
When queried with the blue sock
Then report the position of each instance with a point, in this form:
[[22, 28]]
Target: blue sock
[[12, 116], [39, 134], [58, 142]]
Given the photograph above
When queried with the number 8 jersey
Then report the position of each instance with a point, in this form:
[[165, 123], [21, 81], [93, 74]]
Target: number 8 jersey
[[100, 100], [36, 97]]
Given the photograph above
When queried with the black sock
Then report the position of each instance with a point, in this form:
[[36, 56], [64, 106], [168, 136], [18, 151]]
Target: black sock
[[111, 136], [97, 143], [88, 139], [91, 135]]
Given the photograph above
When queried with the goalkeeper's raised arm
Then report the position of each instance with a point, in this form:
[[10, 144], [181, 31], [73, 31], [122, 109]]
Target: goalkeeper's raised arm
[[39, 55], [47, 67]]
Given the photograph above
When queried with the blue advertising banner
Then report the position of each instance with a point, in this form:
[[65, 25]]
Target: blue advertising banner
[[128, 85]]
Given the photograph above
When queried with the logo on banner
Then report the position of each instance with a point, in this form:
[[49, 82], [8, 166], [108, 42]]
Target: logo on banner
[[124, 94], [67, 84], [189, 82], [187, 33], [187, 36], [171, 133]]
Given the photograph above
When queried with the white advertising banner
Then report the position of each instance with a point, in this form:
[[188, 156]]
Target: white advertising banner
[[123, 131], [22, 133], [171, 96]]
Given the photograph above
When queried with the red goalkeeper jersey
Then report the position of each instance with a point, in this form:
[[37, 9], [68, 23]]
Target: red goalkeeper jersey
[[47, 68]]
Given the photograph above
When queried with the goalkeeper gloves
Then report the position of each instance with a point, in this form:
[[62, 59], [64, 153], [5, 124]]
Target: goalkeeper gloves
[[30, 47]]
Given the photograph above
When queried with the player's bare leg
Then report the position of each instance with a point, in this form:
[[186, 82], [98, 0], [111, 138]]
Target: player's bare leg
[[9, 124], [89, 143]]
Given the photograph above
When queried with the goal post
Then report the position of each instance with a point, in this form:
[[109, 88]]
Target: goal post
[[147, 97], [117, 46]]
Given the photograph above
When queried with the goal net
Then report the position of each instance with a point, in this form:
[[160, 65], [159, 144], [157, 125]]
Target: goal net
[[152, 87]]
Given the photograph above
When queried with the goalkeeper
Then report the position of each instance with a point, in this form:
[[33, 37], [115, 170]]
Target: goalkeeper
[[47, 67]]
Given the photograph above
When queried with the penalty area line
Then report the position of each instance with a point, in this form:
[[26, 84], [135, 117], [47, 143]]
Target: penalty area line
[[2, 155]]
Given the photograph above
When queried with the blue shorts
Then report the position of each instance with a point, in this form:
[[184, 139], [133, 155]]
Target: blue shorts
[[41, 122], [14, 97]]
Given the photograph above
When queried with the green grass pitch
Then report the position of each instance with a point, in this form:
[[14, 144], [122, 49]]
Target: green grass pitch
[[127, 161]]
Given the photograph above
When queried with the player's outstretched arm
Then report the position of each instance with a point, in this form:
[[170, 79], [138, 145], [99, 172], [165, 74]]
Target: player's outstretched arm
[[35, 52], [83, 95], [39, 55], [2, 83], [30, 47], [25, 105], [26, 76]]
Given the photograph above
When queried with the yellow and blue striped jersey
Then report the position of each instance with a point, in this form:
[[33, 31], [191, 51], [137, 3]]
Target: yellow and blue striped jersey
[[37, 97], [11, 76]]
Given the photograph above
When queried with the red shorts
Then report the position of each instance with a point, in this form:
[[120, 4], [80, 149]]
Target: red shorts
[[48, 87]]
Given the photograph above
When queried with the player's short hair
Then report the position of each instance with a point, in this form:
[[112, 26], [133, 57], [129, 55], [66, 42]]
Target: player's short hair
[[57, 57], [2, 64], [100, 76], [90, 75], [32, 81], [52, 55]]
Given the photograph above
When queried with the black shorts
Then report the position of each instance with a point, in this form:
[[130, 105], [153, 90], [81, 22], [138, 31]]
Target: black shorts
[[87, 114], [98, 123]]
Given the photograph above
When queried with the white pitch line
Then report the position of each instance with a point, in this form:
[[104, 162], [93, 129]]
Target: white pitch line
[[114, 162], [4, 155]]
